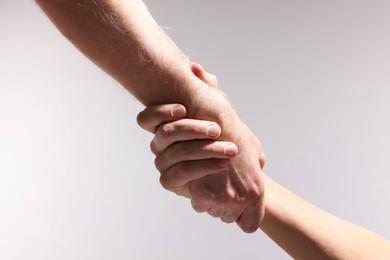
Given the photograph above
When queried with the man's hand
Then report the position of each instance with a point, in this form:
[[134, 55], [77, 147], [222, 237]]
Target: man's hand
[[235, 192], [190, 155]]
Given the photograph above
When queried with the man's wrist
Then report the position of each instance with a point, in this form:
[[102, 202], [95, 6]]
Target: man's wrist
[[212, 105]]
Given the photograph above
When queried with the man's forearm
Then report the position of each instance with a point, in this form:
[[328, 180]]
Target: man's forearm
[[122, 38]]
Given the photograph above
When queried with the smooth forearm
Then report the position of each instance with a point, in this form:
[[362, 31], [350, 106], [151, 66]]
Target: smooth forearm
[[307, 232]]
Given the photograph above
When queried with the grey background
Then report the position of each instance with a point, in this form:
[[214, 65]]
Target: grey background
[[311, 78]]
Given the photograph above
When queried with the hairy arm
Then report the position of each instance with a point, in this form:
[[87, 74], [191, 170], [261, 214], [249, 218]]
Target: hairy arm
[[122, 38]]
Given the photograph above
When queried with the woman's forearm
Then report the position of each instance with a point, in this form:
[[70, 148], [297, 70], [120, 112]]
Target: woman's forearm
[[306, 232]]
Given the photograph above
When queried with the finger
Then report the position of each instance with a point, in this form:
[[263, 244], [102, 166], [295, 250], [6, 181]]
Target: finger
[[263, 159], [183, 191], [216, 213], [193, 151], [153, 116], [198, 206], [231, 215], [207, 78], [250, 219], [185, 172], [183, 130]]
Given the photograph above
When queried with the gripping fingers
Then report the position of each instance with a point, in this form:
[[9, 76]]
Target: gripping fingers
[[183, 130], [216, 196], [192, 151], [185, 172], [153, 116], [198, 206], [207, 78], [216, 213], [250, 219]]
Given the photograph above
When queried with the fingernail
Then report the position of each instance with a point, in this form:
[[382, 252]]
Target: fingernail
[[178, 111], [212, 131], [230, 150]]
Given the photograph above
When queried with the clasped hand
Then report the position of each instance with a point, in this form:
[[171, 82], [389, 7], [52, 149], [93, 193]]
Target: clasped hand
[[221, 177]]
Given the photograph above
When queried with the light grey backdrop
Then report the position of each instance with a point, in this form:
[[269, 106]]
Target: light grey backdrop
[[311, 78]]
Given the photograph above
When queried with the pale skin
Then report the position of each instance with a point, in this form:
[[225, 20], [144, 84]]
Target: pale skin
[[122, 38], [303, 230]]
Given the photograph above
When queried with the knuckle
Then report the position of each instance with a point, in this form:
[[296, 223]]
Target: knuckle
[[165, 182], [166, 130], [153, 146], [198, 209], [140, 119], [249, 228], [198, 206], [215, 212], [227, 221], [158, 163]]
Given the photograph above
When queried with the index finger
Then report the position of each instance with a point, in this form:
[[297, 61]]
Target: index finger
[[153, 116]]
